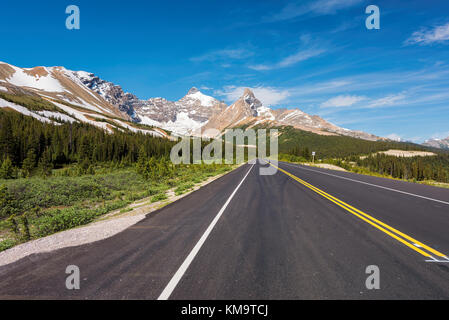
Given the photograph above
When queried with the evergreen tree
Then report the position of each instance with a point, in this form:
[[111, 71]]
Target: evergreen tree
[[7, 202], [141, 160], [7, 170], [45, 166], [29, 163]]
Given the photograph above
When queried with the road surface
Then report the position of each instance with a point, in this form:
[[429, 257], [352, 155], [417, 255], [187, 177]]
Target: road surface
[[303, 233]]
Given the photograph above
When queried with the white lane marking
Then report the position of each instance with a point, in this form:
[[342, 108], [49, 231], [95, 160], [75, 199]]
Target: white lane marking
[[442, 260], [370, 184], [185, 265]]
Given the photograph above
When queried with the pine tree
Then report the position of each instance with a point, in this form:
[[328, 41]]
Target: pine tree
[[29, 163], [141, 160], [45, 166], [7, 202], [26, 227], [7, 170]]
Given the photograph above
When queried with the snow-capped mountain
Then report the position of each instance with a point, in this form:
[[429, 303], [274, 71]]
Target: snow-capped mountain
[[55, 83], [248, 111], [74, 98], [83, 96], [437, 143], [184, 117], [125, 101]]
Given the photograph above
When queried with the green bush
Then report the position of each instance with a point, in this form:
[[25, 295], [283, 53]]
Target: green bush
[[183, 188], [61, 220], [6, 244], [159, 197]]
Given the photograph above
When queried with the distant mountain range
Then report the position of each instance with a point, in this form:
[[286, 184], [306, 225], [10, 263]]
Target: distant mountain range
[[82, 96], [437, 143]]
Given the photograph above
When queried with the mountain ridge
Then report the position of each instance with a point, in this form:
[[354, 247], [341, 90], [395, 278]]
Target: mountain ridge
[[437, 143], [193, 114]]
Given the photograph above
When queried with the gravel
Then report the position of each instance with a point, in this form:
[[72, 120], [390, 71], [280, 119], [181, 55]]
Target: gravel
[[70, 238], [112, 224]]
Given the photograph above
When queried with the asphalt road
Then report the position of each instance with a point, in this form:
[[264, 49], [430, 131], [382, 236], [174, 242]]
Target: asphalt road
[[303, 233]]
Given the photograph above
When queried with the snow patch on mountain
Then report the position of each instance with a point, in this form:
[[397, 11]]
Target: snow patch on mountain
[[204, 100], [56, 115], [265, 112], [183, 125], [83, 118], [437, 143], [23, 110], [47, 82]]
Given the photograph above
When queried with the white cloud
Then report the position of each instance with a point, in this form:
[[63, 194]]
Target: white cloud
[[260, 67], [320, 7], [429, 36], [440, 135], [342, 101], [389, 100], [224, 54], [290, 60], [267, 95]]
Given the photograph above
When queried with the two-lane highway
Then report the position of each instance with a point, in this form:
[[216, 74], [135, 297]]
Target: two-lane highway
[[303, 233]]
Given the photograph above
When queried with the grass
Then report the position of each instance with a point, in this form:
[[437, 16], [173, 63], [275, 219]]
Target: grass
[[159, 197], [183, 188], [43, 206], [125, 210], [6, 244], [34, 103]]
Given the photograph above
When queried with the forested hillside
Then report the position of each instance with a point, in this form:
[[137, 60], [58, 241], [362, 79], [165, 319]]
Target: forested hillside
[[56, 176], [27, 144], [302, 143], [361, 155]]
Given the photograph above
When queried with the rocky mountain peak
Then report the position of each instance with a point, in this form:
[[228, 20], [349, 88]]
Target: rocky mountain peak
[[437, 143], [250, 102], [193, 91], [248, 93]]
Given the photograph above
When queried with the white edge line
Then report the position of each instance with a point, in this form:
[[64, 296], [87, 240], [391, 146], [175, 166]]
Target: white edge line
[[370, 184], [165, 295]]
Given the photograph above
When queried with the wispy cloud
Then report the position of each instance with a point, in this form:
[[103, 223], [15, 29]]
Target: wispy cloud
[[267, 95], [400, 137], [427, 36], [320, 7], [224, 54], [342, 101], [301, 55], [440, 135], [387, 101]]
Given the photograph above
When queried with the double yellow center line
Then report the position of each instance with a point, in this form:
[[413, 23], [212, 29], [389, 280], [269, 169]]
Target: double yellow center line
[[392, 232]]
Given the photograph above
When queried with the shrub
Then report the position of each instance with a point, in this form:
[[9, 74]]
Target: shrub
[[159, 197], [6, 244], [183, 188], [7, 170]]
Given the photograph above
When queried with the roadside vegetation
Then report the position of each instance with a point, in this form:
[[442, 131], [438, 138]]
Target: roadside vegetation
[[363, 157], [38, 206], [57, 177]]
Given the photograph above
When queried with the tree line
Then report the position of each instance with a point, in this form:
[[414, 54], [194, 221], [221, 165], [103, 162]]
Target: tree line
[[342, 150], [416, 168], [27, 144]]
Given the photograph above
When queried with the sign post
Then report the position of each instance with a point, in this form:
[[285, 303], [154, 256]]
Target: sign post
[[313, 157]]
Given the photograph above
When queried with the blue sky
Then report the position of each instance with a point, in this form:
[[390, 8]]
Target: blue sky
[[314, 55]]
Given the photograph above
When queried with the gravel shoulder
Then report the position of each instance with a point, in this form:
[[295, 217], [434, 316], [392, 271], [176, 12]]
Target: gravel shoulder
[[105, 227], [325, 166]]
